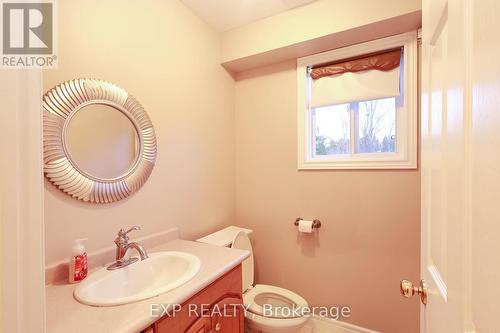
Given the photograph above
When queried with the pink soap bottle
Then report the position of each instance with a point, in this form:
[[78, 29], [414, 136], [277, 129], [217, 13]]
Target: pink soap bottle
[[78, 267]]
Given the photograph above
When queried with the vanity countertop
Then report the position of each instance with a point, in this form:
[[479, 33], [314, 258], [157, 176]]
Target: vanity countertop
[[65, 314]]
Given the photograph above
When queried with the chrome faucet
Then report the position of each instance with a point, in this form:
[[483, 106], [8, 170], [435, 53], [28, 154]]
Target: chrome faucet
[[123, 247]]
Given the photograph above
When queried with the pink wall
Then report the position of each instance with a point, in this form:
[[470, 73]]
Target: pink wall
[[161, 53], [370, 238]]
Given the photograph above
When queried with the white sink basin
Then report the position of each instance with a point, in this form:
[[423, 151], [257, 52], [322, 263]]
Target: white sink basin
[[161, 272]]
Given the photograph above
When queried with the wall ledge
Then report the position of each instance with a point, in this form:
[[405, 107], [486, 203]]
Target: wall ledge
[[385, 28]]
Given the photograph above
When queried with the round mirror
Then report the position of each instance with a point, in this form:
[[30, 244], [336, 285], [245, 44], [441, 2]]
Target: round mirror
[[102, 141], [99, 143]]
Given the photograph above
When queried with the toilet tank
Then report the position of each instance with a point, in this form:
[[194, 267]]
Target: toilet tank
[[223, 237]]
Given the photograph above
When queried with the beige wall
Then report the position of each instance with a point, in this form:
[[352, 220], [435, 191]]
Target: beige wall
[[370, 236], [169, 60]]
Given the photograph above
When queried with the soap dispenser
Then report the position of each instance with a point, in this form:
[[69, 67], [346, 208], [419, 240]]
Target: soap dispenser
[[78, 266]]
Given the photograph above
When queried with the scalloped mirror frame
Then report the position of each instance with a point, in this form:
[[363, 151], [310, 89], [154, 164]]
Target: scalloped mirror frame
[[59, 105]]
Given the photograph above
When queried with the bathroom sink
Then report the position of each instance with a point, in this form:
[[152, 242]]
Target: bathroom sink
[[161, 272]]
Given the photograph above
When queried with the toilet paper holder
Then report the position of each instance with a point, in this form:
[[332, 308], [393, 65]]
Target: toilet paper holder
[[316, 222]]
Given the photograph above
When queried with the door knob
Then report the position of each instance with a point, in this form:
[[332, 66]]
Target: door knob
[[408, 290]]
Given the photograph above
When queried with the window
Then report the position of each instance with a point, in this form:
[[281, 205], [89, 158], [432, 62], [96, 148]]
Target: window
[[357, 106]]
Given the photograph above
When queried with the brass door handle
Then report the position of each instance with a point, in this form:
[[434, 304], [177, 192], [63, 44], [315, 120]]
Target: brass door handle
[[408, 290]]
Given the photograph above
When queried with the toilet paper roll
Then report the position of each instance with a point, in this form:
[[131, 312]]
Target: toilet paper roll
[[306, 226]]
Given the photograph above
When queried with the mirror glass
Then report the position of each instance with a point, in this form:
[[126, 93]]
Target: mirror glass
[[102, 141]]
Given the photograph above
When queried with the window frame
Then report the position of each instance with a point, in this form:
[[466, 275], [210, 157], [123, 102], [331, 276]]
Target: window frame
[[405, 156]]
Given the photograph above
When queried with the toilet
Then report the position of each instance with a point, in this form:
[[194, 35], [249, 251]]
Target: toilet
[[270, 309]]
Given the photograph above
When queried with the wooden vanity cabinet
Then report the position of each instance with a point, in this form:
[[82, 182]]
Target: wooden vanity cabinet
[[201, 325], [219, 309]]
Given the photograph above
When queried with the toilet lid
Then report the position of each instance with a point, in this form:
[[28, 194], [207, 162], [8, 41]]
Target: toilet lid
[[275, 302], [242, 242]]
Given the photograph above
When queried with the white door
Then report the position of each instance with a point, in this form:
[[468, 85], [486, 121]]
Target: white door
[[460, 164], [444, 168]]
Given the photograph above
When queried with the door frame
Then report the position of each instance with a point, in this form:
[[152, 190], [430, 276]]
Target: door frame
[[22, 257]]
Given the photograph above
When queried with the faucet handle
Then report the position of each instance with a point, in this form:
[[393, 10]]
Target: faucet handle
[[122, 238], [123, 233]]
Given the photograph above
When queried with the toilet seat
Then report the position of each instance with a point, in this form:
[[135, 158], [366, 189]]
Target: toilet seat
[[267, 324], [288, 311], [262, 293]]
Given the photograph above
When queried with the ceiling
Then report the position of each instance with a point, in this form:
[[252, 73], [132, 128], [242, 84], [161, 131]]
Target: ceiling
[[223, 15]]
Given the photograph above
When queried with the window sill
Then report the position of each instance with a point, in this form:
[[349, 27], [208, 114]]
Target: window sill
[[350, 163]]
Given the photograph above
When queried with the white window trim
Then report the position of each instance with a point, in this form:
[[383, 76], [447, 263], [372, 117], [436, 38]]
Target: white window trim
[[406, 121]]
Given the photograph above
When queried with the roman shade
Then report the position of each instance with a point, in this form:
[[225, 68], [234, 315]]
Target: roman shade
[[364, 78]]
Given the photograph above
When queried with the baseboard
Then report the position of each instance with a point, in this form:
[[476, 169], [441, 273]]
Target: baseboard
[[327, 325], [59, 270]]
